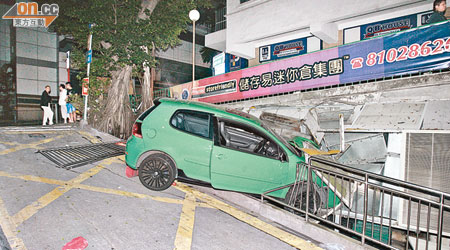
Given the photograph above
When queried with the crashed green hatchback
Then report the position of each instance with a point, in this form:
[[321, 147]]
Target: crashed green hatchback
[[229, 149]]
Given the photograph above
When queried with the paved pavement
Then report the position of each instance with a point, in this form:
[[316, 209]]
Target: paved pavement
[[44, 207]]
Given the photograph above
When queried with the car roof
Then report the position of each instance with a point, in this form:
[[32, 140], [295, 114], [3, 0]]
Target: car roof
[[215, 109]]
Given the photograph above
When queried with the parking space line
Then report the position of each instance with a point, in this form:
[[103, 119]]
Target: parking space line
[[48, 198], [183, 239], [15, 132], [95, 188], [33, 178], [9, 229], [251, 220], [128, 194], [29, 145], [9, 143]]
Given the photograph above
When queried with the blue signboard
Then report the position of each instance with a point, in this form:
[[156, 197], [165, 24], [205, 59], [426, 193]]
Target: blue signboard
[[89, 56], [224, 63], [412, 51], [236, 62], [283, 50], [388, 26]]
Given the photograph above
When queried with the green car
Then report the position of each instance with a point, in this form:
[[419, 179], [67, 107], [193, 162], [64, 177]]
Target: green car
[[229, 149]]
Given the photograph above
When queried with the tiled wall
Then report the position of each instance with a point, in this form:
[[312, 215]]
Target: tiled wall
[[37, 61], [175, 65], [7, 75], [183, 53]]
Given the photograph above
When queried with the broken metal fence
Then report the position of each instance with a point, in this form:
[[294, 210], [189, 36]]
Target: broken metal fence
[[76, 156], [369, 207]]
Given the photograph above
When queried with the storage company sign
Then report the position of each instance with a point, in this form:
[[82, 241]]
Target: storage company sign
[[282, 50], [29, 14], [415, 50]]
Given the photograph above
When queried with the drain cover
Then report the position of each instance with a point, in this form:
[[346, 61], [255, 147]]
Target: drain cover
[[77, 156]]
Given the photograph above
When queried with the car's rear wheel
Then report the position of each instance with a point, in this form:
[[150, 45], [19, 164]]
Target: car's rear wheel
[[157, 172]]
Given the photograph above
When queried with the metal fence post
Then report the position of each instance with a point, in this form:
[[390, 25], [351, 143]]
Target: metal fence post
[[366, 204], [440, 223], [308, 190]]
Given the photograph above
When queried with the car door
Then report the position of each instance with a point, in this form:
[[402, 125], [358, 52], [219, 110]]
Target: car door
[[192, 139], [239, 163]]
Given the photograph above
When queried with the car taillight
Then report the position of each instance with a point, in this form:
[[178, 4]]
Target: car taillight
[[136, 131]]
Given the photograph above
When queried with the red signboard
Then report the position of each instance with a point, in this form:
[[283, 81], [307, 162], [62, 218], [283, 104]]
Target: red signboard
[[85, 86]]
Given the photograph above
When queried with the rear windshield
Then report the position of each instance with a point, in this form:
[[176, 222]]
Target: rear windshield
[[147, 112]]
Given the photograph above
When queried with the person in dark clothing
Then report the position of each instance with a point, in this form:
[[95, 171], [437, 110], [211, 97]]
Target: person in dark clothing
[[439, 7], [45, 105]]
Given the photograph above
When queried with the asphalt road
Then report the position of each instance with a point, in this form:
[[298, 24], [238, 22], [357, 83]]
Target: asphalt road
[[45, 207]]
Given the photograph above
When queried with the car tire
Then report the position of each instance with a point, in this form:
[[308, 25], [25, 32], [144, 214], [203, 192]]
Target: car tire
[[315, 199], [157, 172]]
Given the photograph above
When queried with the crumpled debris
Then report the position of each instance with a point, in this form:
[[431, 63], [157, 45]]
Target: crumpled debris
[[78, 243]]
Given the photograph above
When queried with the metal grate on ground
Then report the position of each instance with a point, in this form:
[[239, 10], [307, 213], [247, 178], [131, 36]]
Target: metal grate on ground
[[77, 156]]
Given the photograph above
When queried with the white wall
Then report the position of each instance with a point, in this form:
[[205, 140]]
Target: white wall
[[262, 22], [63, 77]]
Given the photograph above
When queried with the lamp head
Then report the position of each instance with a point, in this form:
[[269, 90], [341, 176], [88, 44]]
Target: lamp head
[[194, 15]]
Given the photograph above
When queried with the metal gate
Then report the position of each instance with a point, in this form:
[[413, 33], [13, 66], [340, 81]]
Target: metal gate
[[76, 156]]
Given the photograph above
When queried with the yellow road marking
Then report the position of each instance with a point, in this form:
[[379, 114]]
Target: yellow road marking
[[48, 198], [7, 224], [251, 220], [94, 188], [30, 145], [183, 239], [33, 178], [128, 194], [91, 138], [9, 143], [35, 132]]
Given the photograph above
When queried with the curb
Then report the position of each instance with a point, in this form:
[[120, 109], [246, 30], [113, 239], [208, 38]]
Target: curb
[[4, 245]]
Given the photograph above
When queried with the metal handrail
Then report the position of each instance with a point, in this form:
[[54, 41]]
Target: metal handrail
[[378, 222], [378, 177]]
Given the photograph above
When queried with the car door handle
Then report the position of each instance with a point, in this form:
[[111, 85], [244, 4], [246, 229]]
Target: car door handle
[[220, 156]]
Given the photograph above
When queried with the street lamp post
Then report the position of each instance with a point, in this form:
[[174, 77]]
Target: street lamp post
[[89, 59], [194, 15]]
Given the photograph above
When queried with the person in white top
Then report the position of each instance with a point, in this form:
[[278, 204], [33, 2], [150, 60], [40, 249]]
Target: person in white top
[[62, 102]]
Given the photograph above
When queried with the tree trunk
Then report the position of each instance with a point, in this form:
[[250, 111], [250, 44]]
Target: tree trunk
[[118, 117], [147, 84], [149, 73]]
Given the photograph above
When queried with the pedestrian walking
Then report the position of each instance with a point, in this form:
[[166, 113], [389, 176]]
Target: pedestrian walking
[[62, 102], [70, 108], [439, 7], [45, 105]]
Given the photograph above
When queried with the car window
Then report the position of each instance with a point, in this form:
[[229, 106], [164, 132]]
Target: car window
[[193, 122], [246, 139], [147, 112]]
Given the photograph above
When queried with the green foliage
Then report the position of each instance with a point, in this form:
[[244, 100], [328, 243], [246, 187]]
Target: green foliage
[[119, 34]]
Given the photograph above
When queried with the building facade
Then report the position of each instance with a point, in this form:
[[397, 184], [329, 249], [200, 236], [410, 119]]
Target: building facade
[[29, 62], [255, 24]]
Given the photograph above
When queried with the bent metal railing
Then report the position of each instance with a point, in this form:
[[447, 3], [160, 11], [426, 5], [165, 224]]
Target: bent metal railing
[[375, 209]]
